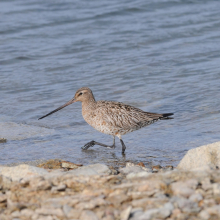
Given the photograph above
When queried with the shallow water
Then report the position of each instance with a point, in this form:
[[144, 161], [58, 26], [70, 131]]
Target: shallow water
[[161, 56]]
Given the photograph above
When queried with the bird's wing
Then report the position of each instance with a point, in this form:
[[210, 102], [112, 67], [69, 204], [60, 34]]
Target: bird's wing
[[124, 116]]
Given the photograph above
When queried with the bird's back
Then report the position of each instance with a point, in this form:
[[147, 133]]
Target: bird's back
[[117, 118]]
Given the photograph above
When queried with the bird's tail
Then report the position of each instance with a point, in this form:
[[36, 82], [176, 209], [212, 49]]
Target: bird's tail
[[165, 116]]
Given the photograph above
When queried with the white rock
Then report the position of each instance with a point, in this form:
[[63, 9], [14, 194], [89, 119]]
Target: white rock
[[60, 187], [185, 205], [27, 212], [126, 213], [132, 168], [50, 211], [201, 156], [94, 169], [180, 188], [204, 215], [216, 188], [136, 175], [196, 197], [88, 215], [22, 171]]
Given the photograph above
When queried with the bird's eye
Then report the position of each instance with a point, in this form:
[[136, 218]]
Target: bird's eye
[[80, 93]]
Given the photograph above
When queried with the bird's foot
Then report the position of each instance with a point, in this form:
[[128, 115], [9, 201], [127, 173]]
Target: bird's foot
[[88, 145], [111, 147]]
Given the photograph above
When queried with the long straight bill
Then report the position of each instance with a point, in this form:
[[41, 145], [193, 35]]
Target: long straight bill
[[63, 106]]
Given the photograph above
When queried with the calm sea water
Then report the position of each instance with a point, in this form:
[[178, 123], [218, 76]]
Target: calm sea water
[[160, 56]]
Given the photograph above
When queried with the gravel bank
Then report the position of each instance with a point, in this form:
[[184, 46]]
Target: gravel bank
[[133, 193]]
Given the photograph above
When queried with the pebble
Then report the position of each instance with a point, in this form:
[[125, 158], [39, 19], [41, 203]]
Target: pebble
[[93, 193], [88, 215], [125, 213]]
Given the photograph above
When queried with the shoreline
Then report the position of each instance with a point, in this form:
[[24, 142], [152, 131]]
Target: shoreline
[[96, 191]]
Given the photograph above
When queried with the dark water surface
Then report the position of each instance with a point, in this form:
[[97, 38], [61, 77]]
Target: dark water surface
[[161, 56]]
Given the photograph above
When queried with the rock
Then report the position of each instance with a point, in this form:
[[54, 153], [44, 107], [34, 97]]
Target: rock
[[88, 215], [60, 187], [5, 182], [204, 215], [201, 156], [139, 174], [179, 188], [156, 168], [22, 171], [50, 211], [69, 165], [216, 188], [141, 164], [27, 212], [132, 168], [15, 214], [185, 205], [3, 198], [94, 169], [150, 185], [51, 164], [196, 197], [71, 213], [40, 184], [160, 213], [108, 217], [3, 140], [214, 210], [91, 204], [136, 213], [125, 213]]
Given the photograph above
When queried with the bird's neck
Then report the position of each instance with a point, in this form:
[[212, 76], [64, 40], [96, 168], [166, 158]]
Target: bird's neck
[[89, 104]]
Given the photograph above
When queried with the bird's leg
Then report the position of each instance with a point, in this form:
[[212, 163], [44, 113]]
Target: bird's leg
[[92, 143], [123, 146]]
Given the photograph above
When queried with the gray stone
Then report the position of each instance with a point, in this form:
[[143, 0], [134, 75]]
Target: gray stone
[[50, 211], [185, 205], [136, 213], [70, 212], [22, 171], [88, 215], [201, 156], [160, 213], [15, 214], [196, 197], [94, 169]]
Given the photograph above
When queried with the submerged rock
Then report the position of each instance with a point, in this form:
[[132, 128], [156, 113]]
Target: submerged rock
[[3, 140]]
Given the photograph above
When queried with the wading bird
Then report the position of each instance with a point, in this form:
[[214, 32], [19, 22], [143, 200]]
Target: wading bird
[[113, 118]]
